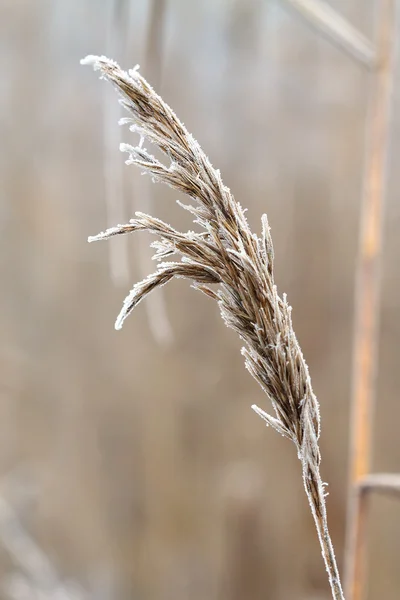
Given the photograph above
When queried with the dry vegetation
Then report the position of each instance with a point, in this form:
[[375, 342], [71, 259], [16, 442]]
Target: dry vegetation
[[225, 253]]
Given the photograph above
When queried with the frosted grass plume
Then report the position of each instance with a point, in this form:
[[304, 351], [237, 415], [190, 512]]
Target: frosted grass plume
[[231, 265]]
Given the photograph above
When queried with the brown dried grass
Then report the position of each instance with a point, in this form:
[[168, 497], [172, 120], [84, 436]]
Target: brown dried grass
[[230, 264]]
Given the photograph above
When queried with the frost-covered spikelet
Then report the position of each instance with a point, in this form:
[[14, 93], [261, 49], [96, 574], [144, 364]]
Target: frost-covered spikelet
[[228, 255]]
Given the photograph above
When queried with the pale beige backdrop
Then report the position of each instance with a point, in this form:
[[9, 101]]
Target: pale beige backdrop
[[137, 467]]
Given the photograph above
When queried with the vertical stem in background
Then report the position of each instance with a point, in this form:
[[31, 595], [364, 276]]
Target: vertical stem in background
[[154, 41], [157, 317], [367, 302], [113, 165], [338, 30]]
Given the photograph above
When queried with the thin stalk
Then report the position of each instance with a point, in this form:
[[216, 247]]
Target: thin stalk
[[337, 29], [316, 497], [113, 169], [367, 303], [142, 197], [381, 483]]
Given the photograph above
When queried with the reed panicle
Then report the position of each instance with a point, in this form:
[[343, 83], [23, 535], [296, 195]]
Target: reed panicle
[[230, 264]]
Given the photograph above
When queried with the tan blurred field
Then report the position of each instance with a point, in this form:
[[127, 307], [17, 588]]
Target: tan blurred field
[[137, 466]]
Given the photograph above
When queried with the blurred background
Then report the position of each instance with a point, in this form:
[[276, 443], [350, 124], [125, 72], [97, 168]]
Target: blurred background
[[131, 464]]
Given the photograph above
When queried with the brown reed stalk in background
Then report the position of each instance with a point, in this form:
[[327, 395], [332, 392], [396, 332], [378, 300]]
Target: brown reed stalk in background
[[156, 309], [113, 170], [226, 254], [367, 305], [320, 15]]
